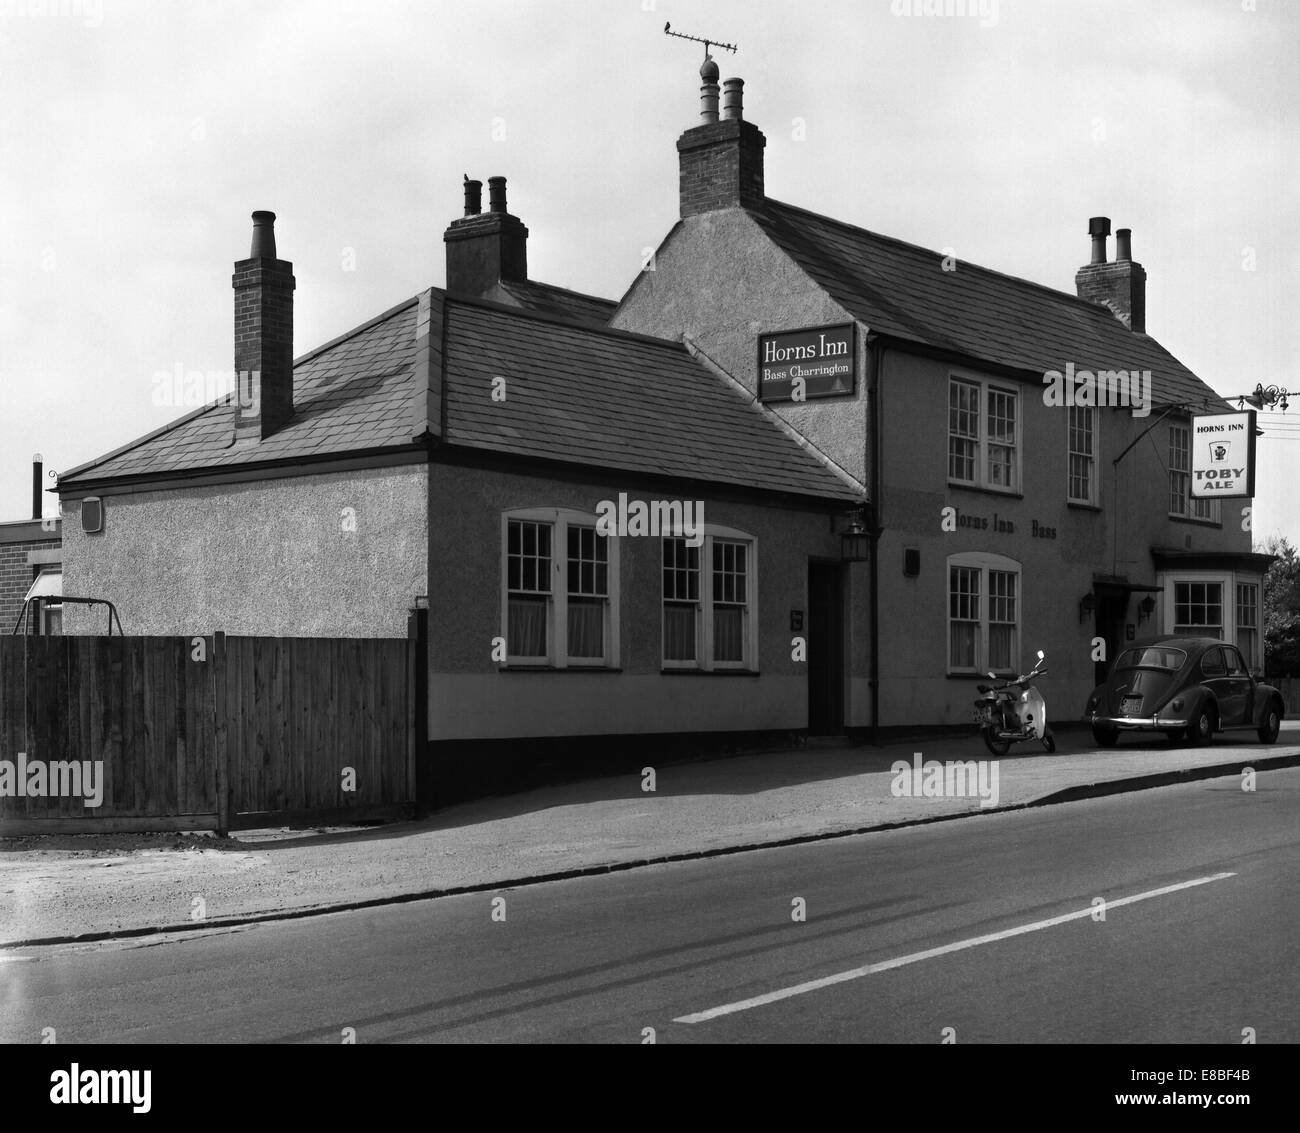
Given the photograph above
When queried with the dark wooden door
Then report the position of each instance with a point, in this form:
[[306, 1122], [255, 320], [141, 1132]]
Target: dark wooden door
[[825, 649], [1111, 609]]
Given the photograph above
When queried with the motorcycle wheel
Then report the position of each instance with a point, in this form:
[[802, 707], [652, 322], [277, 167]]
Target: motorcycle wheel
[[1049, 742], [995, 745]]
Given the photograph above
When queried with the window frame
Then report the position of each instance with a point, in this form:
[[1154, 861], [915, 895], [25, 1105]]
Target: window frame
[[983, 444], [1094, 420], [705, 661], [1189, 504], [1253, 657], [1195, 629], [557, 656], [986, 563]]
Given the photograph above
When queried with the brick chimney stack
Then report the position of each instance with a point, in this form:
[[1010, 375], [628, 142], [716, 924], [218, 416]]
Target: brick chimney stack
[[485, 248], [1122, 285], [264, 289], [721, 160]]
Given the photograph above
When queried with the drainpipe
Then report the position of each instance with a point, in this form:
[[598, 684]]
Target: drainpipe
[[875, 403]]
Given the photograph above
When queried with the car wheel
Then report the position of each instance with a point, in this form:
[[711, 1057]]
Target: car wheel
[[1175, 734], [1049, 742], [1272, 724], [995, 745], [1105, 737], [1201, 728]]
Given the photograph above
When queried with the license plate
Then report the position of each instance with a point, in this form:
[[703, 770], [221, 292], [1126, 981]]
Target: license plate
[[1130, 705]]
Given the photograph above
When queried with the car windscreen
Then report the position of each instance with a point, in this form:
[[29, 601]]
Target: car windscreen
[[1152, 657]]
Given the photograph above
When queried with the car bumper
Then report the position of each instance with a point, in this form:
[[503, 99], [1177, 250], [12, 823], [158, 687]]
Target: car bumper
[[1155, 723]]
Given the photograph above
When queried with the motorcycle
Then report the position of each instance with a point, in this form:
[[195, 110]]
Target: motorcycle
[[1013, 711]]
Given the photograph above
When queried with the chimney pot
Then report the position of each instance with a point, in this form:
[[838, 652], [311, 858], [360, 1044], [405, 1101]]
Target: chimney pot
[[263, 236], [473, 197], [709, 91], [485, 248], [1099, 229], [1123, 245], [733, 98]]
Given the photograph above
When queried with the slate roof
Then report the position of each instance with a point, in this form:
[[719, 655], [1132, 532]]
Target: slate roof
[[901, 291], [549, 300], [576, 393], [613, 400], [353, 394]]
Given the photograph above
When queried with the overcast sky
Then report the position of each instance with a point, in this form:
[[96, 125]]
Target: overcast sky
[[136, 138]]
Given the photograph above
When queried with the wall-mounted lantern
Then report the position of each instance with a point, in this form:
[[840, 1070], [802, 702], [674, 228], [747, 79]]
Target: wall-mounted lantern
[[1146, 608], [855, 541]]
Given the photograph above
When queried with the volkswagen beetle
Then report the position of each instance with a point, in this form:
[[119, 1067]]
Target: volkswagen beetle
[[1186, 687]]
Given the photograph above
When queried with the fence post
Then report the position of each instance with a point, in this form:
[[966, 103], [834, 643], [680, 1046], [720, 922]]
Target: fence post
[[221, 748]]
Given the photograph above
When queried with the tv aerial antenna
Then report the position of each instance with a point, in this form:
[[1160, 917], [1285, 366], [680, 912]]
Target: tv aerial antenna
[[668, 30]]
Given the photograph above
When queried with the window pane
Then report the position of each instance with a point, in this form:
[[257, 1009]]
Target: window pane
[[526, 629], [1002, 438], [588, 555], [963, 429], [681, 571], [528, 556], [728, 633], [1179, 470], [963, 612], [1081, 454], [586, 627], [679, 632], [1198, 608]]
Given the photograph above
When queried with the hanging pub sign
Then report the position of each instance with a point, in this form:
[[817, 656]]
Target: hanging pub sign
[[799, 365], [1223, 455]]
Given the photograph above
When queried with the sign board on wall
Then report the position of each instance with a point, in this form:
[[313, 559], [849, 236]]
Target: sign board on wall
[[799, 365], [1223, 455]]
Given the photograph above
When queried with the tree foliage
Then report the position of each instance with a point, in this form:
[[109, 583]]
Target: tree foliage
[[1282, 610]]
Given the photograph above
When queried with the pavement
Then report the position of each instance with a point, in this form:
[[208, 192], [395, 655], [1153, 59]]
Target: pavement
[[64, 888]]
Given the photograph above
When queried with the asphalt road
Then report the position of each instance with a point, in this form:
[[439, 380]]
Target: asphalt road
[[982, 930]]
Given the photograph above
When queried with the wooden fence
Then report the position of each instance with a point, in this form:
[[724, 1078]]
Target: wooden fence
[[192, 733], [1289, 687]]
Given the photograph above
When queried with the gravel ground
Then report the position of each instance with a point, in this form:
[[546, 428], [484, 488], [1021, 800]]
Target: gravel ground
[[68, 885]]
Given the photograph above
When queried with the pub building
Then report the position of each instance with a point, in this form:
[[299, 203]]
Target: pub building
[[802, 477]]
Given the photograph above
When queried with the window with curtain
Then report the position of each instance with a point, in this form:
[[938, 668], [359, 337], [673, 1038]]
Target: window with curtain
[[681, 601], [983, 613], [528, 573], [560, 592], [983, 434], [708, 623], [588, 572], [729, 601]]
